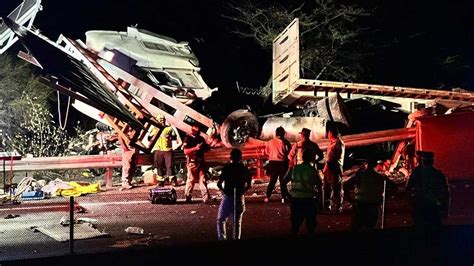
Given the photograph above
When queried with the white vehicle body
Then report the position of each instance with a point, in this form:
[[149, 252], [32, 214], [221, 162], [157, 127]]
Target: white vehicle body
[[168, 64]]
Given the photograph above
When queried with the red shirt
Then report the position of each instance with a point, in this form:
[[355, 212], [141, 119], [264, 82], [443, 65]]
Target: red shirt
[[277, 149]]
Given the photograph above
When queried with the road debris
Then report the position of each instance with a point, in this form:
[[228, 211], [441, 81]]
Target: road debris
[[91, 221], [81, 209], [65, 221], [145, 241], [11, 216], [193, 212], [135, 230], [61, 233]]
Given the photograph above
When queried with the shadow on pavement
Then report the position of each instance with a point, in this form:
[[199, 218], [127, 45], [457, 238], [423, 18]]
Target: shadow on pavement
[[389, 247]]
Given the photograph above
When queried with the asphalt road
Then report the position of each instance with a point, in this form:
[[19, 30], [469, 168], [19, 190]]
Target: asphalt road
[[180, 224]]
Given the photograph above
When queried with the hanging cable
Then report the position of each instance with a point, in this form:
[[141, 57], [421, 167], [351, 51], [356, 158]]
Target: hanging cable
[[59, 111]]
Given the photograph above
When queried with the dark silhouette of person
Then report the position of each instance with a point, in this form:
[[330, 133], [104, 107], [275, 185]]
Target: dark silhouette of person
[[305, 183]]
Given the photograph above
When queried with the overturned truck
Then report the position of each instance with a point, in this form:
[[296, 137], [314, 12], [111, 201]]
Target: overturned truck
[[125, 79]]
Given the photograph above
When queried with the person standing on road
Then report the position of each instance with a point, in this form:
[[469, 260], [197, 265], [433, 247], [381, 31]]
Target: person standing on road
[[194, 146], [277, 151], [129, 164], [236, 178], [431, 195], [295, 156], [333, 169], [369, 187], [163, 151], [305, 184]]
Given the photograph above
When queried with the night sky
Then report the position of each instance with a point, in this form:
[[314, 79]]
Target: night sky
[[410, 37]]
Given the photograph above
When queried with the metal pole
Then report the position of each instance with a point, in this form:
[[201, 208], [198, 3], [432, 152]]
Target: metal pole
[[383, 204], [323, 207], [4, 179], [234, 233], [10, 176], [71, 225]]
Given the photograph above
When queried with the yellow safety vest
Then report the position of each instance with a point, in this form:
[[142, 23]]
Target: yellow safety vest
[[164, 141]]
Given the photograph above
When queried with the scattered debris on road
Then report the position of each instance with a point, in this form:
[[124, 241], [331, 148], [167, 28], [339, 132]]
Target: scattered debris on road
[[81, 209], [65, 221], [91, 221], [145, 241], [82, 220], [12, 216], [61, 233], [135, 230]]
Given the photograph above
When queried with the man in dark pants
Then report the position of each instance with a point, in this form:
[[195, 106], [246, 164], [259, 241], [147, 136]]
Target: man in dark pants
[[295, 156], [296, 153], [431, 195], [333, 169], [163, 151], [277, 151], [431, 205], [305, 183], [236, 178], [369, 186], [129, 164]]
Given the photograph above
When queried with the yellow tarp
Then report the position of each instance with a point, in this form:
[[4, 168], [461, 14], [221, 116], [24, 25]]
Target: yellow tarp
[[78, 189]]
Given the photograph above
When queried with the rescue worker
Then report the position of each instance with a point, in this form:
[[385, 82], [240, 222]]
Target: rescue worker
[[236, 178], [129, 164], [277, 151], [163, 155], [333, 169], [431, 195], [369, 187], [194, 146], [296, 153], [305, 184]]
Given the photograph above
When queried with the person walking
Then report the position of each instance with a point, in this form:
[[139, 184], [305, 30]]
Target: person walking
[[237, 180], [333, 169], [277, 151], [305, 184]]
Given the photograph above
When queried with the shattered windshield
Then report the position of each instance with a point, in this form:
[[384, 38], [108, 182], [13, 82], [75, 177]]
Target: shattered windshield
[[186, 77], [164, 78]]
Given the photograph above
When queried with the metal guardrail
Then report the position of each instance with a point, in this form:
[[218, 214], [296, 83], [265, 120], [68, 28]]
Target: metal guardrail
[[215, 155]]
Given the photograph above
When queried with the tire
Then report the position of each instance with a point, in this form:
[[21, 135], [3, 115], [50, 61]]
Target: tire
[[238, 127]]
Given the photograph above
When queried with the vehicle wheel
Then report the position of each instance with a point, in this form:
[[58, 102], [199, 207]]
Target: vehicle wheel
[[238, 127]]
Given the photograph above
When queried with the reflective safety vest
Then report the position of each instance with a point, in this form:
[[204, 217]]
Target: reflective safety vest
[[369, 186], [164, 142], [304, 179]]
